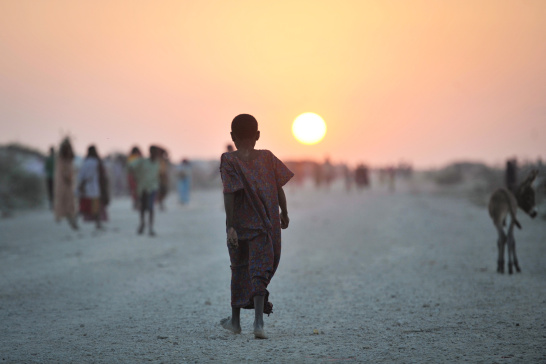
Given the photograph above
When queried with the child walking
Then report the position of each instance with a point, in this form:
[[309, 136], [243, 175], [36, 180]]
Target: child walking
[[252, 184], [146, 172]]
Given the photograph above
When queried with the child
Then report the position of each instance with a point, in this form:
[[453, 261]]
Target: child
[[252, 181], [146, 172]]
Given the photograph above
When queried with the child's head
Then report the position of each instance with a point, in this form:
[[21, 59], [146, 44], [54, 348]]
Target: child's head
[[92, 152], [136, 151], [154, 152], [244, 129]]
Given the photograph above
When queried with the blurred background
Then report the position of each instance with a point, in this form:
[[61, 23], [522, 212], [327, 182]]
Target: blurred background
[[426, 91]]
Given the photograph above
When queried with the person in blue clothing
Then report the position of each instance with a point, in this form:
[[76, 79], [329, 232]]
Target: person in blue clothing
[[183, 173]]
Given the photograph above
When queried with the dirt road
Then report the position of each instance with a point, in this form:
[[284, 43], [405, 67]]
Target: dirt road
[[364, 277]]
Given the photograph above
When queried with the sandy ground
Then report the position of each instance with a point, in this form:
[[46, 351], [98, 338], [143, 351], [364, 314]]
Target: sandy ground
[[364, 277]]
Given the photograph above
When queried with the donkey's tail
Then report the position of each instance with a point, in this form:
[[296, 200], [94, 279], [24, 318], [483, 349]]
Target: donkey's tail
[[512, 212]]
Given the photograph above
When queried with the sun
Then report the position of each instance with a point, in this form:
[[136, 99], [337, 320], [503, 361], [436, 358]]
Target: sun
[[309, 128]]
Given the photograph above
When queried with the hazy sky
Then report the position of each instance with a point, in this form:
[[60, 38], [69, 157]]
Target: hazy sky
[[422, 81]]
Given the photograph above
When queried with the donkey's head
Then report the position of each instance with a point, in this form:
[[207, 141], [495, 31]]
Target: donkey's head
[[526, 194]]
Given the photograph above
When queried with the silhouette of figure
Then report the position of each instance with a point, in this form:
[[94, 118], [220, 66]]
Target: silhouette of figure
[[183, 172], [348, 177], [131, 180], [93, 188], [63, 196], [362, 179], [146, 172], [327, 173], [252, 185], [164, 165], [512, 175], [391, 173], [49, 169]]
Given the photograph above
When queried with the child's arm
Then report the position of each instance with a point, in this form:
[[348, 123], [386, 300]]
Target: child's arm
[[229, 204], [284, 211]]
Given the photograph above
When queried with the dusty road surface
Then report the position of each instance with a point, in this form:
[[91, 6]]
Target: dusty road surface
[[364, 277]]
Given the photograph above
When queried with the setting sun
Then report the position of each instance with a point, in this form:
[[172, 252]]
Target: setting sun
[[309, 128]]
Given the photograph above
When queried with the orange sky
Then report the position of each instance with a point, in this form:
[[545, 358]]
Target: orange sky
[[422, 81]]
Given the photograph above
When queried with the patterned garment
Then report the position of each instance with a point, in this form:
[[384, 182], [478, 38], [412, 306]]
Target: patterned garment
[[63, 197], [257, 222]]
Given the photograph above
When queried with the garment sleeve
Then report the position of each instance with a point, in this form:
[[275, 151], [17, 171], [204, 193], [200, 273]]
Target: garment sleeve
[[282, 173], [231, 180]]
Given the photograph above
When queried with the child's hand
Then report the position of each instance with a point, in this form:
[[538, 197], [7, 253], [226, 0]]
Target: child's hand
[[232, 238], [284, 221]]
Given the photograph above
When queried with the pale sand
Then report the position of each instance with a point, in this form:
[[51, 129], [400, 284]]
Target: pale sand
[[369, 277]]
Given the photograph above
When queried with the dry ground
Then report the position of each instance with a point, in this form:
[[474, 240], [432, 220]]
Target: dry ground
[[364, 277]]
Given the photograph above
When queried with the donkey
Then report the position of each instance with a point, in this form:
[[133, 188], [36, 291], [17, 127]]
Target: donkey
[[504, 202]]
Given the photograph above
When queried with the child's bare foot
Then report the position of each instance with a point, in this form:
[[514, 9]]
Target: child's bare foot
[[259, 332], [228, 325]]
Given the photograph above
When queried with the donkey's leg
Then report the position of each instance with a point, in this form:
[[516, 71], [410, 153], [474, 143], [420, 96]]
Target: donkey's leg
[[510, 243], [513, 243], [500, 244]]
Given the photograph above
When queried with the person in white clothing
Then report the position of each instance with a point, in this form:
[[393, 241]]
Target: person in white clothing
[[92, 187]]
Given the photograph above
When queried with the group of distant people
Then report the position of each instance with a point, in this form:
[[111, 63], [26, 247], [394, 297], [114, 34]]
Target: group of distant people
[[254, 201], [91, 186], [148, 181]]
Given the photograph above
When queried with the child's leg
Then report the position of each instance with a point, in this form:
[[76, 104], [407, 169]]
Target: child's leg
[[151, 201], [233, 323], [259, 332], [241, 287], [143, 206], [261, 268]]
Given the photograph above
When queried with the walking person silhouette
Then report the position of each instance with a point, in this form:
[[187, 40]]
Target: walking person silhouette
[[253, 183]]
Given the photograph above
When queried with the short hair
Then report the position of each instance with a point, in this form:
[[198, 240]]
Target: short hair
[[92, 152], [136, 150], [244, 126]]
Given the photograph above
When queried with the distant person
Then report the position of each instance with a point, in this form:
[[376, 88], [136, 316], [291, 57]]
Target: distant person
[[183, 173], [63, 197], [117, 174], [229, 148], [512, 175], [391, 173], [252, 184], [318, 175], [146, 172], [163, 177], [362, 178], [49, 169], [131, 181], [93, 188], [328, 173], [348, 177]]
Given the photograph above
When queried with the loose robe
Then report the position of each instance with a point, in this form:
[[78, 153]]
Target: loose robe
[[63, 200], [256, 220]]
